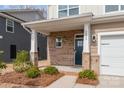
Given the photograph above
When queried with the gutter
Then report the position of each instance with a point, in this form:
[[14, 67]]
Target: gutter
[[108, 18], [26, 28]]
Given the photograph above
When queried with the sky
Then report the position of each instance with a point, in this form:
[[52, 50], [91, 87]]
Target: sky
[[4, 7]]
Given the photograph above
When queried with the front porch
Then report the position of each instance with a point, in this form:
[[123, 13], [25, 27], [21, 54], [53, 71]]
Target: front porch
[[62, 51]]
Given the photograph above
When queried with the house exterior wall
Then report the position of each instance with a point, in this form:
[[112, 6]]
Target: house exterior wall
[[21, 38], [57, 55], [64, 55], [105, 27], [95, 9], [52, 11]]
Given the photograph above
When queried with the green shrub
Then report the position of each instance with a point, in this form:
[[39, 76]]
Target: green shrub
[[21, 67], [51, 70], [2, 64], [32, 72], [41, 71], [21, 63], [88, 74], [22, 56], [1, 53]]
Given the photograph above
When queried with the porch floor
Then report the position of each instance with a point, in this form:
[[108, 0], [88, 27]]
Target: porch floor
[[75, 69], [67, 69]]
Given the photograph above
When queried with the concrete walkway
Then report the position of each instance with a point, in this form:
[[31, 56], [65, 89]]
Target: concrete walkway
[[64, 82]]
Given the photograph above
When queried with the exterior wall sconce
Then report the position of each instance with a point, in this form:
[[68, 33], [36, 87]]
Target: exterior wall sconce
[[93, 38]]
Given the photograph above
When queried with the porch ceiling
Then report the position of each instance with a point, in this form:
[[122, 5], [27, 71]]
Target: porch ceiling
[[60, 24]]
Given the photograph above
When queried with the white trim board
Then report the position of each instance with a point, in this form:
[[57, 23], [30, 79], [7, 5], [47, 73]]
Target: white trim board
[[107, 34]]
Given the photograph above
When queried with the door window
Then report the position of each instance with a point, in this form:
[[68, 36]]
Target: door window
[[80, 43]]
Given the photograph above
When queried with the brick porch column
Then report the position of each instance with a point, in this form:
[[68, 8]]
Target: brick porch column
[[86, 46], [33, 51]]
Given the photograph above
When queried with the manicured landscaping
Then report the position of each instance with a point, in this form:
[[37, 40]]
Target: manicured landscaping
[[25, 73], [87, 77], [20, 78]]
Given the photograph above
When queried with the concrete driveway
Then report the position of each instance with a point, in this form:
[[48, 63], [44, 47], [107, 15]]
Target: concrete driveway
[[68, 81], [111, 82]]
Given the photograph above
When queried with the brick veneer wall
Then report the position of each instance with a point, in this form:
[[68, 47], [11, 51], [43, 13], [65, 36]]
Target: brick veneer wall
[[64, 55]]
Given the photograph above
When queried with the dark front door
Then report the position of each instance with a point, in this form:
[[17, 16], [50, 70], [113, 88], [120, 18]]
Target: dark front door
[[78, 51], [12, 51]]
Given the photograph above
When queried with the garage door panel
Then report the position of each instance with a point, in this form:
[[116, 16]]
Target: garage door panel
[[116, 51], [112, 55], [112, 59], [109, 71], [113, 42]]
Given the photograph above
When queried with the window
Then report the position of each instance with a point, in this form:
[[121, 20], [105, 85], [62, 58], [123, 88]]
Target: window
[[113, 8], [62, 7], [9, 26], [68, 10], [63, 13], [73, 11], [58, 42], [122, 7]]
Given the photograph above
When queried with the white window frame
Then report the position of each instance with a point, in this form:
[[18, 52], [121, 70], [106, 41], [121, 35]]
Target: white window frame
[[1, 37], [57, 42], [119, 10], [9, 25], [68, 10]]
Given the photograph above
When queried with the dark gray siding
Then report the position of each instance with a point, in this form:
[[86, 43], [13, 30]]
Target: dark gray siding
[[42, 45], [21, 38]]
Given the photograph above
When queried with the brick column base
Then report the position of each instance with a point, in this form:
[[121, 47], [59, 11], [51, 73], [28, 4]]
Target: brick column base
[[34, 58], [86, 60], [95, 63]]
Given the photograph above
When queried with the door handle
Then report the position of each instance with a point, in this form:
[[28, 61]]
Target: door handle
[[105, 65]]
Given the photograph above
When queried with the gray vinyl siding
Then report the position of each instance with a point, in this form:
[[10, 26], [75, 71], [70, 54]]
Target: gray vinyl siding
[[21, 38]]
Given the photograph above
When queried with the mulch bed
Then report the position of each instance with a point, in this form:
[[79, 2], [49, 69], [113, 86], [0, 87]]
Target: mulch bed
[[87, 81], [19, 78]]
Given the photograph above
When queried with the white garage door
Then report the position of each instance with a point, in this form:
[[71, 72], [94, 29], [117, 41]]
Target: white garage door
[[112, 55]]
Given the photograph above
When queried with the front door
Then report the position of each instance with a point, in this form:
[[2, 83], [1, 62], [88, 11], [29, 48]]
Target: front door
[[78, 50]]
